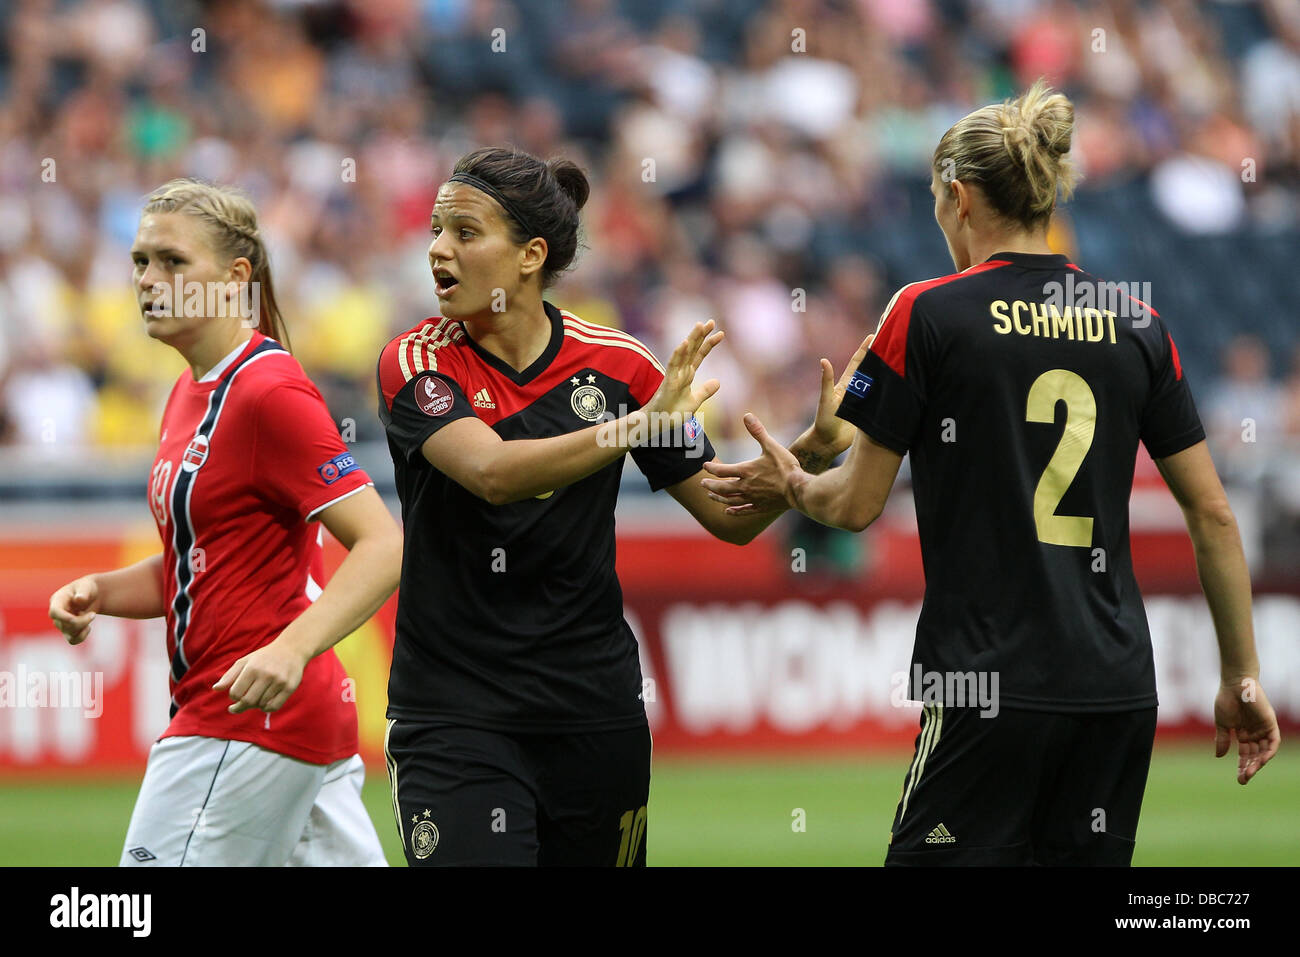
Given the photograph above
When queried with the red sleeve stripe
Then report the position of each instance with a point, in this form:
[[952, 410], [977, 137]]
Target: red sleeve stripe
[[891, 336], [1178, 365], [605, 336], [1143, 307]]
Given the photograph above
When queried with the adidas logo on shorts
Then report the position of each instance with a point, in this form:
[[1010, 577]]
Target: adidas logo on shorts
[[940, 835]]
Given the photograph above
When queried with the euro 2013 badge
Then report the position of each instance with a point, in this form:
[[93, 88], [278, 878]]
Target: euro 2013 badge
[[424, 837], [587, 400]]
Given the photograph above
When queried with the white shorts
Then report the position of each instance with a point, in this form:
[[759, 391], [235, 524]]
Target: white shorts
[[212, 802]]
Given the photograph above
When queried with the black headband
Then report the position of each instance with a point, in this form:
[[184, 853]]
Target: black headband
[[509, 207]]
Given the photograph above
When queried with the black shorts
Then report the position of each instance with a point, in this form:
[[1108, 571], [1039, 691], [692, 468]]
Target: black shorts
[[1023, 787], [465, 796]]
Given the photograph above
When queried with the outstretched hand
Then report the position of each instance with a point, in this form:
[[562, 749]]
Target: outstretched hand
[[1243, 711], [828, 429], [760, 486], [678, 396]]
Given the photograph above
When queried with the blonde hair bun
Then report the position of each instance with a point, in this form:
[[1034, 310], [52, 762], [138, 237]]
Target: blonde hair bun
[[1017, 152]]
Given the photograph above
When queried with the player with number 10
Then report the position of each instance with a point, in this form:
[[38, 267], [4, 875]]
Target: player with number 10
[[517, 726]]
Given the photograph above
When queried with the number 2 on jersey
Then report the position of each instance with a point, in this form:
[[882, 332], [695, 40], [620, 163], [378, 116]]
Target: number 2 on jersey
[[1080, 421]]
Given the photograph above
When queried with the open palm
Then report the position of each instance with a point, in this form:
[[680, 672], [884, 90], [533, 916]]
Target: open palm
[[678, 396]]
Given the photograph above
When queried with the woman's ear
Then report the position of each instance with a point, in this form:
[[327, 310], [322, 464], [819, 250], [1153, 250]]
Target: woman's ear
[[239, 270], [533, 256], [962, 197]]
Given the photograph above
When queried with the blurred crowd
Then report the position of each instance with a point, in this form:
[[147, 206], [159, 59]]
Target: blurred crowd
[[762, 163]]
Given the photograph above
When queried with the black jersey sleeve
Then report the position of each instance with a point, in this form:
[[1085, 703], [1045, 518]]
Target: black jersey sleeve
[[1170, 422], [422, 407], [885, 396], [676, 457]]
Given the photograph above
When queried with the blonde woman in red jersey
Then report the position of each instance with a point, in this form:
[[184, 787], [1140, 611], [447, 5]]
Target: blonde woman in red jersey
[[259, 764]]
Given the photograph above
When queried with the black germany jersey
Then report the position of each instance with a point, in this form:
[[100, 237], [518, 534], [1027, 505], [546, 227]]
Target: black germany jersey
[[510, 617], [1021, 387]]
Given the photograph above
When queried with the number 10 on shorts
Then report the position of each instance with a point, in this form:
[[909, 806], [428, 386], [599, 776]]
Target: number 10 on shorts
[[632, 828]]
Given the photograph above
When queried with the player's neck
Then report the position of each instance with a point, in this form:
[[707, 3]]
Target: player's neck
[[517, 337], [982, 247], [207, 351]]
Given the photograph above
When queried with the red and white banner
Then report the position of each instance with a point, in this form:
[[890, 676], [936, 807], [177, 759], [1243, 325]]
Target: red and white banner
[[740, 648]]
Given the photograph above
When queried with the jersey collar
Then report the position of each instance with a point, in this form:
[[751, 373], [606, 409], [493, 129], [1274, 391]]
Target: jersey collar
[[539, 364], [1032, 260], [218, 370]]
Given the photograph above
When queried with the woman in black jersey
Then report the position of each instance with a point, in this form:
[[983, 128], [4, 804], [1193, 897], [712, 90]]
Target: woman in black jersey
[[517, 731], [1021, 387]]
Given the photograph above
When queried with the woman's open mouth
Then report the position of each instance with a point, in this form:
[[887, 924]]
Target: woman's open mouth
[[444, 282]]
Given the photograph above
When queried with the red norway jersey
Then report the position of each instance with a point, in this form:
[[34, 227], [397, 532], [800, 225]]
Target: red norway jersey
[[245, 462]]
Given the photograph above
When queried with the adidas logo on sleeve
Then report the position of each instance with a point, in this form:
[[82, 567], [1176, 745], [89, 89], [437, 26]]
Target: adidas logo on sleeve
[[940, 835]]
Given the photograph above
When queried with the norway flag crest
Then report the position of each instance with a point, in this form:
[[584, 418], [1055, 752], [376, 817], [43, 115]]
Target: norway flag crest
[[195, 454]]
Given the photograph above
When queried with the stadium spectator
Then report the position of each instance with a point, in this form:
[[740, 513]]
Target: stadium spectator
[[798, 130], [1245, 409], [49, 402]]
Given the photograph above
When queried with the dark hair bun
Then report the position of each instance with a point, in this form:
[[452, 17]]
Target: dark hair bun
[[572, 180], [545, 195]]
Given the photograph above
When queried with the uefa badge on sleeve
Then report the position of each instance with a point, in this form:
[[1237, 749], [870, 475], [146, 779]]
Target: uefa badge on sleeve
[[337, 467], [692, 436], [860, 384]]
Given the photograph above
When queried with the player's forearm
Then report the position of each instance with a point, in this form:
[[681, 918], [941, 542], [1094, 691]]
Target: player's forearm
[[741, 529], [520, 469], [361, 584], [829, 498], [1225, 579], [132, 592]]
